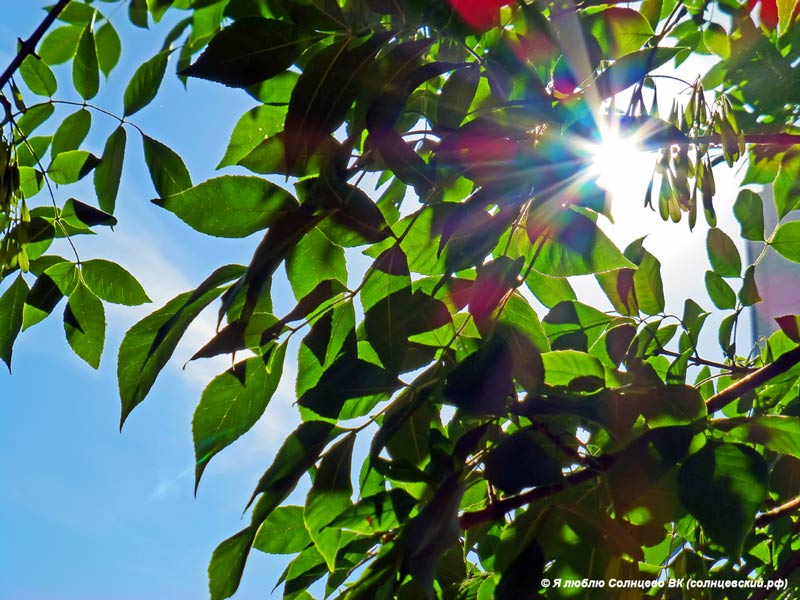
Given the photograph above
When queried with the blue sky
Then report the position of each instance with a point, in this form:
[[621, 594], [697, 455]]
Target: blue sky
[[86, 512], [89, 513]]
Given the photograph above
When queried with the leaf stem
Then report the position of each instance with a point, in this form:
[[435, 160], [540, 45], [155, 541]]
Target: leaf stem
[[28, 47], [709, 363]]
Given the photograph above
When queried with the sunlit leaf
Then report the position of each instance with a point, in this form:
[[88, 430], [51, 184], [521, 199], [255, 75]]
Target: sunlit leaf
[[722, 253], [112, 283], [11, 310], [85, 324], [251, 50], [167, 170], [144, 84], [71, 132], [38, 76], [72, 165], [109, 47], [85, 69], [232, 403], [230, 206], [786, 240], [723, 486]]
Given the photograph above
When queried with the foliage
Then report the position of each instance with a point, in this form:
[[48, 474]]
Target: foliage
[[508, 443]]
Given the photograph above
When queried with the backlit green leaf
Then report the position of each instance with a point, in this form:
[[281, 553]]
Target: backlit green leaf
[[85, 325], [144, 84], [38, 76], [148, 345], [722, 253], [71, 166], [786, 240], [108, 173], [232, 403], [230, 206], [109, 47], [723, 486], [251, 50], [253, 127], [749, 295], [167, 170], [283, 532], [561, 367], [11, 310], [721, 294], [749, 211], [112, 283], [71, 132], [60, 44], [85, 69]]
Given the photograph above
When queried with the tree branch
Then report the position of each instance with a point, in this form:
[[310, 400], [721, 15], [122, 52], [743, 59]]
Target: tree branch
[[776, 513], [28, 47], [747, 384], [499, 508]]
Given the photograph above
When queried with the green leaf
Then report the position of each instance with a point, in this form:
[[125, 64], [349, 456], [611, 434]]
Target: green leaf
[[167, 170], [519, 461], [144, 84], [277, 90], [349, 388], [522, 575], [721, 294], [579, 248], [78, 215], [749, 295], [112, 283], [632, 68], [786, 240], [71, 166], [786, 186], [482, 382], [38, 76], [329, 497], [227, 564], [108, 173], [232, 403], [620, 31], [716, 39], [723, 486], [34, 116], [313, 260], [722, 253], [148, 345], [78, 13], [109, 47], [251, 50], [85, 70], [253, 127], [549, 290], [324, 92], [648, 285], [85, 324], [283, 532], [60, 44], [777, 433], [41, 300], [561, 367], [230, 206], [71, 132], [11, 311], [749, 211], [29, 154], [456, 97], [158, 8]]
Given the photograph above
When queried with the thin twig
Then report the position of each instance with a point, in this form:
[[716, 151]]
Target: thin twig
[[708, 363], [28, 47]]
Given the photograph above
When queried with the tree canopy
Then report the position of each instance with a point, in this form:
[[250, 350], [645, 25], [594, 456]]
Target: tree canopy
[[421, 174]]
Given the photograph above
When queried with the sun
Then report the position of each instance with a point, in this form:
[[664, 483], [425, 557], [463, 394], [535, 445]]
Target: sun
[[619, 164]]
